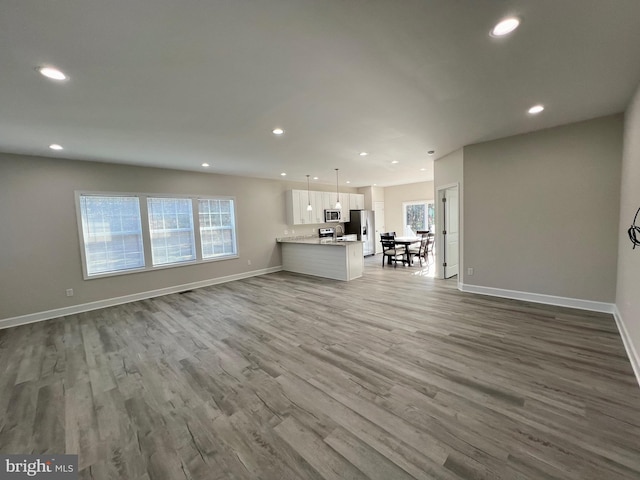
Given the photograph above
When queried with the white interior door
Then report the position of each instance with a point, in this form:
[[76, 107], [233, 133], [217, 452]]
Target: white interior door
[[378, 218], [450, 233]]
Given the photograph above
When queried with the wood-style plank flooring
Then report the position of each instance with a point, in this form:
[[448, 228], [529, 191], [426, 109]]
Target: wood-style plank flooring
[[284, 376]]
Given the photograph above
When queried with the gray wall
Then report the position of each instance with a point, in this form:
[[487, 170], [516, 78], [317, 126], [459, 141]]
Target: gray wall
[[628, 289], [448, 171], [395, 196], [40, 257], [541, 210], [371, 195]]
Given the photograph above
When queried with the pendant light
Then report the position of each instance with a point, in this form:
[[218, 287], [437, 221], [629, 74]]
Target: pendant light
[[309, 207], [338, 205]]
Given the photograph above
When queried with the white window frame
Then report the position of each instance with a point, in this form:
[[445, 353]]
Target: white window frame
[[146, 236], [192, 228], [415, 202], [234, 231], [83, 249]]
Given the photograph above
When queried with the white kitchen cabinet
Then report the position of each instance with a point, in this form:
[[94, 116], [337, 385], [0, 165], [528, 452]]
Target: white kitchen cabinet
[[317, 202], [344, 200], [356, 201], [297, 201], [306, 199], [329, 200], [297, 213]]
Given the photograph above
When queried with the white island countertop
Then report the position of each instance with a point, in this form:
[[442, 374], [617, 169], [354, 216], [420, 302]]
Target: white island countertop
[[316, 241], [310, 255]]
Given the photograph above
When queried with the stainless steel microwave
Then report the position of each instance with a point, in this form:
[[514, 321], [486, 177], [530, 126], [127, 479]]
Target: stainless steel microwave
[[332, 216]]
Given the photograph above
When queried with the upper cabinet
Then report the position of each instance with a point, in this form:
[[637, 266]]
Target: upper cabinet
[[345, 202], [356, 201], [329, 200], [297, 213], [317, 202], [297, 201]]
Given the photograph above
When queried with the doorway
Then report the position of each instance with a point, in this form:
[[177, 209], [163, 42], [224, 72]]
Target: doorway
[[449, 233]]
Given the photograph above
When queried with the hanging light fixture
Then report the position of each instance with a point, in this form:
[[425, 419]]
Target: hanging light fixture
[[338, 205], [309, 207]]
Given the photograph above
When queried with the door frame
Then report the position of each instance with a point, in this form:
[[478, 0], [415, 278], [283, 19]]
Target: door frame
[[440, 248]]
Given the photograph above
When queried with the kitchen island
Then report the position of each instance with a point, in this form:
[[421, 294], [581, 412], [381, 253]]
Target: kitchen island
[[322, 257]]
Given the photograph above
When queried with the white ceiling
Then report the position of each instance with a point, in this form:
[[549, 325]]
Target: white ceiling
[[174, 84]]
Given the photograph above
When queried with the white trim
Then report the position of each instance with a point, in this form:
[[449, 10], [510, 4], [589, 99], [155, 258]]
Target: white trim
[[439, 226], [405, 204], [634, 358], [110, 302], [448, 185], [540, 298]]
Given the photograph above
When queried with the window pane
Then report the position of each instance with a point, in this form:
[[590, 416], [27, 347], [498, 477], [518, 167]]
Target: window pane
[[217, 227], [112, 233], [417, 217], [171, 229], [432, 216]]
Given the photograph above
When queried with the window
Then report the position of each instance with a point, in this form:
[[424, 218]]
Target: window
[[171, 230], [419, 215], [112, 233], [122, 233], [217, 228]]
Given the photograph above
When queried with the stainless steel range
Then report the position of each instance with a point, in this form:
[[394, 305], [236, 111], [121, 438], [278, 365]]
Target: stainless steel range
[[327, 232]]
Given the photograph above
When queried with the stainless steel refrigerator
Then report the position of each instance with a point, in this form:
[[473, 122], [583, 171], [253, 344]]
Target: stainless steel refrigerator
[[362, 224]]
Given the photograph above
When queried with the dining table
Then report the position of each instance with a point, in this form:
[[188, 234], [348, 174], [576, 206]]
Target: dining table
[[407, 241]]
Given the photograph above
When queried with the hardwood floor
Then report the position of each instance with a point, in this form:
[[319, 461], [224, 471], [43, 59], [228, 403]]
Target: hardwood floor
[[392, 376]]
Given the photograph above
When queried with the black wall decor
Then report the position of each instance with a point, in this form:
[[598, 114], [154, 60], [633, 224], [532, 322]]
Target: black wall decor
[[634, 231]]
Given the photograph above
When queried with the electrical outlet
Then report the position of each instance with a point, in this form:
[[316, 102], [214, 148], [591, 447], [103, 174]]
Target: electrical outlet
[[69, 292], [470, 271], [293, 231], [286, 232], [248, 262]]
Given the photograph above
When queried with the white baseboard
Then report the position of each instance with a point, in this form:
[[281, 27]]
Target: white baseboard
[[110, 302], [634, 358], [539, 298]]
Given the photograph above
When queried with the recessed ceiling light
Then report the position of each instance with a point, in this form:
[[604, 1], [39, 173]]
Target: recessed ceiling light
[[283, 174], [278, 131], [348, 181], [55, 146], [363, 154], [394, 161], [375, 184], [52, 73], [315, 178], [423, 169], [431, 152], [505, 27], [205, 164], [536, 109]]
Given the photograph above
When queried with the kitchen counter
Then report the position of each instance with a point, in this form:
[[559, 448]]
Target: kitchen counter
[[317, 241], [310, 255]]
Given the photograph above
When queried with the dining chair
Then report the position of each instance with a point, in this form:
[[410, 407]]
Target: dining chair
[[432, 241], [389, 251], [421, 251]]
